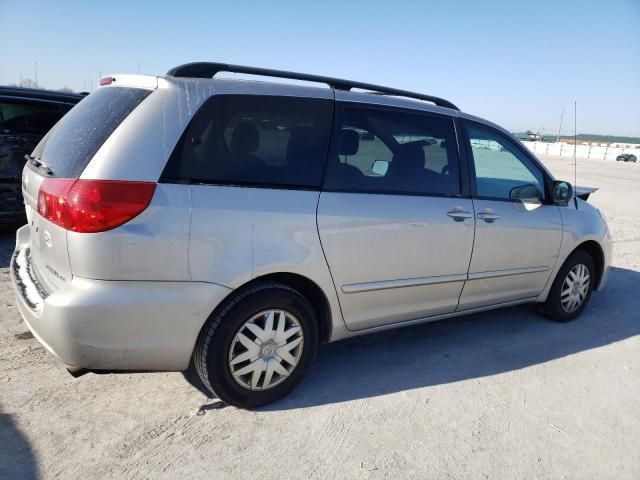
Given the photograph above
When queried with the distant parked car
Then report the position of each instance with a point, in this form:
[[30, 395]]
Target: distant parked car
[[626, 157], [26, 115]]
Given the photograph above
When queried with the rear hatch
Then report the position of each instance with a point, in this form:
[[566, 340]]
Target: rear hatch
[[64, 153]]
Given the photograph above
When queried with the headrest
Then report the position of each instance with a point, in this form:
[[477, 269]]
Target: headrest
[[303, 142], [409, 157], [245, 137], [349, 142]]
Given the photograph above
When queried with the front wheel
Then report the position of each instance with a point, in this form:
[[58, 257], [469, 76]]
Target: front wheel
[[258, 346], [571, 290]]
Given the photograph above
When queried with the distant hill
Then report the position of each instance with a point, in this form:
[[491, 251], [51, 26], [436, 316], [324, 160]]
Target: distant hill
[[586, 137]]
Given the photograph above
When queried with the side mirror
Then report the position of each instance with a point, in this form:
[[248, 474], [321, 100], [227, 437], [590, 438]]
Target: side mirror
[[379, 168], [562, 192], [528, 193]]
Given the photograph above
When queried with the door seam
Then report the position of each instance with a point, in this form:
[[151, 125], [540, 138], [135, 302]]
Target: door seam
[[326, 261], [473, 248]]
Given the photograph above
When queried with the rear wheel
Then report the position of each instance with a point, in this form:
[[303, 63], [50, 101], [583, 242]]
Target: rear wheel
[[571, 290], [258, 346]]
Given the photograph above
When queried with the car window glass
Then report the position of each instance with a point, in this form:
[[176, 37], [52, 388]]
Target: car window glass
[[499, 165], [371, 149], [256, 140], [377, 150], [21, 117], [68, 148]]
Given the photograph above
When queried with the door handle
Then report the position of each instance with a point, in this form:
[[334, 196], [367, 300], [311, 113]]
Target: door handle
[[459, 215], [488, 217]]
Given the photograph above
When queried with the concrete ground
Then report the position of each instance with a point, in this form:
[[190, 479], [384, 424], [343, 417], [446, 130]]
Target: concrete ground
[[504, 394]]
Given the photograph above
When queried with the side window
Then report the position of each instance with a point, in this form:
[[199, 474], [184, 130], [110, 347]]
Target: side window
[[376, 150], [256, 140], [362, 149], [499, 165], [20, 117]]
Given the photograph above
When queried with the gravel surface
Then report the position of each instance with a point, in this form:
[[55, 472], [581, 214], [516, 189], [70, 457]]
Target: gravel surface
[[504, 394]]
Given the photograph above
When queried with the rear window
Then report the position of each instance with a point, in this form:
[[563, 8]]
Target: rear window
[[254, 140], [70, 145]]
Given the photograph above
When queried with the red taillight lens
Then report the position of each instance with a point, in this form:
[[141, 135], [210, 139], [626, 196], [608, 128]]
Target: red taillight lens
[[90, 206]]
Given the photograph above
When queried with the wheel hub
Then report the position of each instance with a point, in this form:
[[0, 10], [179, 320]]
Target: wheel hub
[[266, 350]]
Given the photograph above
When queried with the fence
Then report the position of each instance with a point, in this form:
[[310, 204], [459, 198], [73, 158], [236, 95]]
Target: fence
[[582, 151]]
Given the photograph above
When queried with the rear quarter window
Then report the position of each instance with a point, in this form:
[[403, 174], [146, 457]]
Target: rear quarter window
[[254, 140], [70, 145]]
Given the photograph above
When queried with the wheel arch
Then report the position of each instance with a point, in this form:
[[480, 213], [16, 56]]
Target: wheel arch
[[305, 286], [594, 250], [308, 289]]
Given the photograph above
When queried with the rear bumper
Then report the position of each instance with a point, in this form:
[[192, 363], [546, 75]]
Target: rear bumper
[[114, 325]]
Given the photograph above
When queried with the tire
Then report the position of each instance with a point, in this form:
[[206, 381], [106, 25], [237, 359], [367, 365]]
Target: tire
[[553, 308], [219, 344]]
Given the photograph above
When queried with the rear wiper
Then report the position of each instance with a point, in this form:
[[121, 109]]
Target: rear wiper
[[40, 164]]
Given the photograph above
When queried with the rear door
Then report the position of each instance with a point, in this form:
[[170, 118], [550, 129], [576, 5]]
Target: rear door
[[518, 232], [64, 153], [394, 225], [253, 165]]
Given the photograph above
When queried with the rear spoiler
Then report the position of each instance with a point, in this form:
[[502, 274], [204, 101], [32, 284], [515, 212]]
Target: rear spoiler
[[584, 192]]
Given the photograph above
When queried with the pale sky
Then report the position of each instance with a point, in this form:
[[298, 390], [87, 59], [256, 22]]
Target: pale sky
[[515, 63]]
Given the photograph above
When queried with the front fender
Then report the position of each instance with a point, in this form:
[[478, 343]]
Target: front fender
[[581, 223]]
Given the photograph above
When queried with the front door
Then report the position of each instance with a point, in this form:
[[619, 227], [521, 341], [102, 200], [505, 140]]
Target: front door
[[518, 231], [394, 228]]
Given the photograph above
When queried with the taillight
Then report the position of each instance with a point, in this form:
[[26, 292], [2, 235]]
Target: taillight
[[90, 206]]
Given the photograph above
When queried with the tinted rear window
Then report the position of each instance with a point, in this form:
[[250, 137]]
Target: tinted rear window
[[70, 145], [254, 140], [380, 150]]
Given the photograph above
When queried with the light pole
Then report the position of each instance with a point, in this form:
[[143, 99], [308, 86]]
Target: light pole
[[560, 127], [35, 72]]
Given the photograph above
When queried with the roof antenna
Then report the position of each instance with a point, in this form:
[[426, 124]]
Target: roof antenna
[[575, 148]]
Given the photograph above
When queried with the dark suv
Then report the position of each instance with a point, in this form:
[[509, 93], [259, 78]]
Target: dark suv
[[626, 157], [26, 115]]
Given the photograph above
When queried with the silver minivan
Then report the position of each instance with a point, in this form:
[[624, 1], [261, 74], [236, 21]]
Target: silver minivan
[[239, 224]]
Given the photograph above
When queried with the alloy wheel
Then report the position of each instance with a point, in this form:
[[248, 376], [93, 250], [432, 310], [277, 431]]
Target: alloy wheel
[[575, 288]]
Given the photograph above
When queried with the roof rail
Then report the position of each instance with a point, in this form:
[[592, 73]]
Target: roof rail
[[209, 70]]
